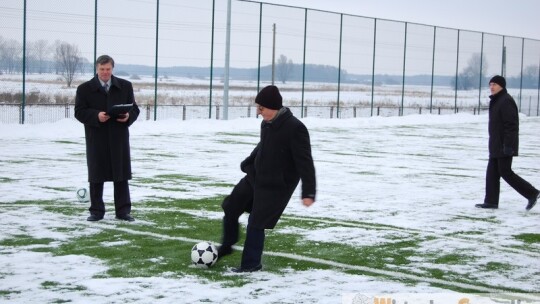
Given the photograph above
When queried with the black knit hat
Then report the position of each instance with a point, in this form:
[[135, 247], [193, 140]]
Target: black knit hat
[[269, 97], [498, 80]]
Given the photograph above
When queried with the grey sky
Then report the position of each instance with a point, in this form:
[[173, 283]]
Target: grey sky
[[518, 18], [126, 31]]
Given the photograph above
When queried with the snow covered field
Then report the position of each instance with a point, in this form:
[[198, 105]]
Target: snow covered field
[[177, 90], [189, 98], [415, 174]]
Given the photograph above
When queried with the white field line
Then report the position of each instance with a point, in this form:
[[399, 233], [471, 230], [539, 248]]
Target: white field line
[[388, 273], [423, 232], [384, 228]]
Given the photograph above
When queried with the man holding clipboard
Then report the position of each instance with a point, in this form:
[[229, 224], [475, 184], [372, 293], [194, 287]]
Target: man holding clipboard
[[106, 106]]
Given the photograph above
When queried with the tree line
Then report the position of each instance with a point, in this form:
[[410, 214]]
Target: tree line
[[64, 59], [60, 58], [469, 77]]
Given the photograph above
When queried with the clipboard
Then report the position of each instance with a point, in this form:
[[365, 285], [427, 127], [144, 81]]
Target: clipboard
[[118, 110]]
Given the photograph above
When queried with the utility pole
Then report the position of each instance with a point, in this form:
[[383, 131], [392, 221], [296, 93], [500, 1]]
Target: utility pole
[[227, 59], [503, 66], [273, 53]]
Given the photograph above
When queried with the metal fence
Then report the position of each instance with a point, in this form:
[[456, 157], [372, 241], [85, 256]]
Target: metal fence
[[10, 113], [175, 51]]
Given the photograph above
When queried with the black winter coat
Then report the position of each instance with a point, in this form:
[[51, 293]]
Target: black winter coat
[[107, 144], [503, 125], [278, 162]]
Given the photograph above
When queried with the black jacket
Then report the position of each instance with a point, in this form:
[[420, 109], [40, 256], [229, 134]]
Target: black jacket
[[503, 125], [107, 144], [278, 162]]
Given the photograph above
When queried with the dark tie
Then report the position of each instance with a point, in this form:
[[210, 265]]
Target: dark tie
[[106, 87]]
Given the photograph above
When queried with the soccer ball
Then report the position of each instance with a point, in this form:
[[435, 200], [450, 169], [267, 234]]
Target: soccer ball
[[204, 254], [83, 195]]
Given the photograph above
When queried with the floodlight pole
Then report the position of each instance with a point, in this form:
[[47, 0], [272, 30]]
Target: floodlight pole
[[156, 63], [95, 34], [23, 102], [227, 59], [273, 52]]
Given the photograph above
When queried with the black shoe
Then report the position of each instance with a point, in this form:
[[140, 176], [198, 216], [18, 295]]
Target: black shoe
[[487, 206], [247, 269], [126, 217], [94, 218], [223, 251], [532, 202]]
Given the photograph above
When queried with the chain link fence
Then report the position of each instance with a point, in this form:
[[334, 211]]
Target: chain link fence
[[329, 64]]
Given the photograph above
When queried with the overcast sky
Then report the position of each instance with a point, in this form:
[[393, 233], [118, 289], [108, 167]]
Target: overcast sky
[[127, 32], [518, 18]]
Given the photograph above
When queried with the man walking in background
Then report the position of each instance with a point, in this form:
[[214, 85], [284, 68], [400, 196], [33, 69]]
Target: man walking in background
[[503, 128], [107, 138]]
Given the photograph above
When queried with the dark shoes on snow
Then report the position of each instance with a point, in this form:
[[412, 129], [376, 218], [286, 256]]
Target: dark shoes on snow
[[125, 217], [247, 269], [226, 250], [487, 206], [532, 202], [94, 218]]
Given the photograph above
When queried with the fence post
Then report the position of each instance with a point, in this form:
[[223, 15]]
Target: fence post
[[183, 112], [354, 112], [217, 112], [439, 110], [420, 112], [249, 111], [148, 112], [305, 111], [332, 112], [67, 110], [378, 111]]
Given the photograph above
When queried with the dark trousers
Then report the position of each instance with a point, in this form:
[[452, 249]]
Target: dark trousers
[[234, 205], [253, 248], [502, 167], [122, 200]]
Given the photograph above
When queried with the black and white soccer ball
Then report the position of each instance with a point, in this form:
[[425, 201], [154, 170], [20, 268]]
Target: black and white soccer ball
[[204, 255], [83, 196]]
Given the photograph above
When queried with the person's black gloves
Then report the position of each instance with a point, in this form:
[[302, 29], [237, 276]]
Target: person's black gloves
[[508, 151]]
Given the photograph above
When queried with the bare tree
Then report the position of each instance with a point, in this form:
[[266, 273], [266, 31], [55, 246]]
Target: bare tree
[[68, 58], [530, 77], [10, 56], [284, 68], [31, 61], [41, 50], [2, 45], [469, 78]]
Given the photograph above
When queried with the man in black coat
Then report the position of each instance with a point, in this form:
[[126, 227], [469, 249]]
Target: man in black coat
[[503, 128], [273, 170], [107, 138]]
